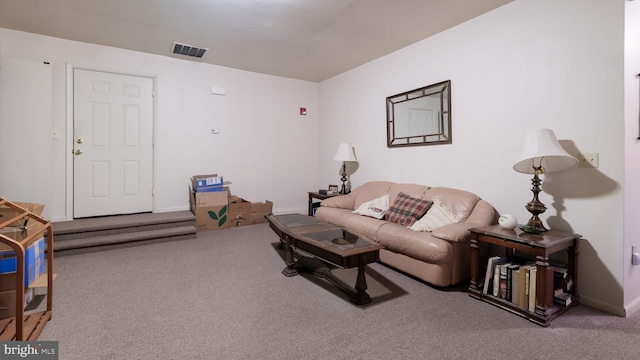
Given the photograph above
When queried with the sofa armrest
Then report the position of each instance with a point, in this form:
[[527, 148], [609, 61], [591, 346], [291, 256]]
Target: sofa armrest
[[483, 214], [452, 232], [340, 202]]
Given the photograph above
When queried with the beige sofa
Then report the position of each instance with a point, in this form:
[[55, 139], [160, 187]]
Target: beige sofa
[[440, 257]]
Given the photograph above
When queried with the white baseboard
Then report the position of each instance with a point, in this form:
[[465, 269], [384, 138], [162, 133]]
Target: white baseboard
[[303, 211], [633, 308], [610, 308], [171, 209]]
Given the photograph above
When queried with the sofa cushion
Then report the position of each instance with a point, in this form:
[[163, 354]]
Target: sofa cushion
[[415, 244], [437, 216], [415, 190], [369, 191], [460, 202], [406, 209], [335, 216], [375, 208]]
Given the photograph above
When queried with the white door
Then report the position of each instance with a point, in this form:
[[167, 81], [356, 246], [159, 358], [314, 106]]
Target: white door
[[113, 147]]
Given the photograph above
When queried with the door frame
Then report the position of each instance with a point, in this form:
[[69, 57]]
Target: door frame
[[70, 67]]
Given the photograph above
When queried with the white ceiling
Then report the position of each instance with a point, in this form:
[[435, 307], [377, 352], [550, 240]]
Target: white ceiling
[[303, 39]]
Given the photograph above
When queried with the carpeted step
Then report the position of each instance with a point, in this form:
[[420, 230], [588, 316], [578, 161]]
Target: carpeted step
[[101, 233], [107, 225], [97, 243]]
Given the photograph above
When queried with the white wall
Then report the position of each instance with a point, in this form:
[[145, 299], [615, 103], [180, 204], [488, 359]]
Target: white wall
[[530, 64], [632, 154], [265, 147]]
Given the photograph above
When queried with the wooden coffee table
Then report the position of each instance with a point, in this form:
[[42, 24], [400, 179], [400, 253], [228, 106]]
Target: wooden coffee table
[[309, 240]]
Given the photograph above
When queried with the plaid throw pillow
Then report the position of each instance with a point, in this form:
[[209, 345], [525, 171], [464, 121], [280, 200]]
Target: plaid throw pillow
[[405, 209]]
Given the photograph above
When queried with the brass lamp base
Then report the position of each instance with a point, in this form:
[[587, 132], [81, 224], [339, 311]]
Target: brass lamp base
[[535, 207], [343, 189]]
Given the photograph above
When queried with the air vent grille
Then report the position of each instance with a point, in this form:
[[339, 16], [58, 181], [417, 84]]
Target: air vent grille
[[188, 50]]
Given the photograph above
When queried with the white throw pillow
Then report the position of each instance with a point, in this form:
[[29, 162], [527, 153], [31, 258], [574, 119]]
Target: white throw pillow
[[437, 216], [375, 208]]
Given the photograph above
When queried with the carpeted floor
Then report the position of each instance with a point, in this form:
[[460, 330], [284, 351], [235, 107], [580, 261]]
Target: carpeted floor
[[222, 296]]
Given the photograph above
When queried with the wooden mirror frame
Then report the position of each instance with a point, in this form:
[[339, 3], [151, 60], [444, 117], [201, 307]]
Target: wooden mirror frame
[[420, 117]]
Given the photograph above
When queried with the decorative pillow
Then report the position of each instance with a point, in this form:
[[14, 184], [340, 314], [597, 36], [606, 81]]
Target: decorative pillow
[[437, 216], [405, 209], [375, 208]]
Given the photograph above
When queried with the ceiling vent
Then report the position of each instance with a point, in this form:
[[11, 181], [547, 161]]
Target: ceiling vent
[[188, 50]]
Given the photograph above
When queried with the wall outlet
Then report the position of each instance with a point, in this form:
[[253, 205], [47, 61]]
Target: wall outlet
[[588, 160], [215, 130]]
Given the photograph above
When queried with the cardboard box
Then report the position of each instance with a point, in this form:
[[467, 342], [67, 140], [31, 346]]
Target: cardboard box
[[211, 210], [208, 183], [239, 212], [7, 213], [8, 302], [8, 281], [24, 228], [259, 210], [33, 262]]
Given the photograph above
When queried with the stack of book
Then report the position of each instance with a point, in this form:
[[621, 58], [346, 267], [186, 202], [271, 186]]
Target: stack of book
[[327, 192], [516, 282], [562, 285]]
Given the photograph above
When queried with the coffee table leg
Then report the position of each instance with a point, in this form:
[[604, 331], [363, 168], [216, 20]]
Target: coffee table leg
[[361, 297], [290, 270]]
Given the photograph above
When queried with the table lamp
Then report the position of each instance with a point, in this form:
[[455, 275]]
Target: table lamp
[[541, 154], [345, 153]]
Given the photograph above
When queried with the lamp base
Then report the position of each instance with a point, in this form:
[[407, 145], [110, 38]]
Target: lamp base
[[536, 224], [344, 190], [535, 207]]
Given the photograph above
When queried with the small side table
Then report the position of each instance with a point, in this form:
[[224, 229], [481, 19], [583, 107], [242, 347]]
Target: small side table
[[318, 196], [538, 246]]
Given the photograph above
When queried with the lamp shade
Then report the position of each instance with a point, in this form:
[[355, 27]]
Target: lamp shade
[[541, 148], [345, 153]]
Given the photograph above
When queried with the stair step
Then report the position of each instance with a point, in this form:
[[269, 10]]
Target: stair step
[[121, 240], [107, 223], [103, 233]]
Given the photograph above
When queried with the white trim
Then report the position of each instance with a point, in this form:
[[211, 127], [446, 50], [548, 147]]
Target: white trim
[[594, 303]]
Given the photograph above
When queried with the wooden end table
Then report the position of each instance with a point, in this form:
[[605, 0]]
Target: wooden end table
[[318, 196], [540, 247]]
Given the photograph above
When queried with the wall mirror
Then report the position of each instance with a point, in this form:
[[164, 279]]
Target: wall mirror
[[420, 117]]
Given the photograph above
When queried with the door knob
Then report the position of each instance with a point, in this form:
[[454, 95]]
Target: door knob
[[79, 141], [78, 152]]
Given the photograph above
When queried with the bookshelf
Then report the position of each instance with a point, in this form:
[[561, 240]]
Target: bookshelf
[[531, 250]]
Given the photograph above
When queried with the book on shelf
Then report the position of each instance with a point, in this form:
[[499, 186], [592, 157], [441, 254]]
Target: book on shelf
[[503, 280], [510, 269], [560, 272], [563, 299], [523, 292], [565, 283], [496, 280], [488, 277], [515, 285], [533, 270]]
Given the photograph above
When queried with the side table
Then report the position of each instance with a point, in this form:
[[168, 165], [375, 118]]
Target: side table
[[318, 196], [516, 244]]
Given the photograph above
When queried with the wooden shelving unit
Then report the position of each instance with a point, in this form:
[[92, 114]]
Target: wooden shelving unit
[[538, 246], [25, 327]]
